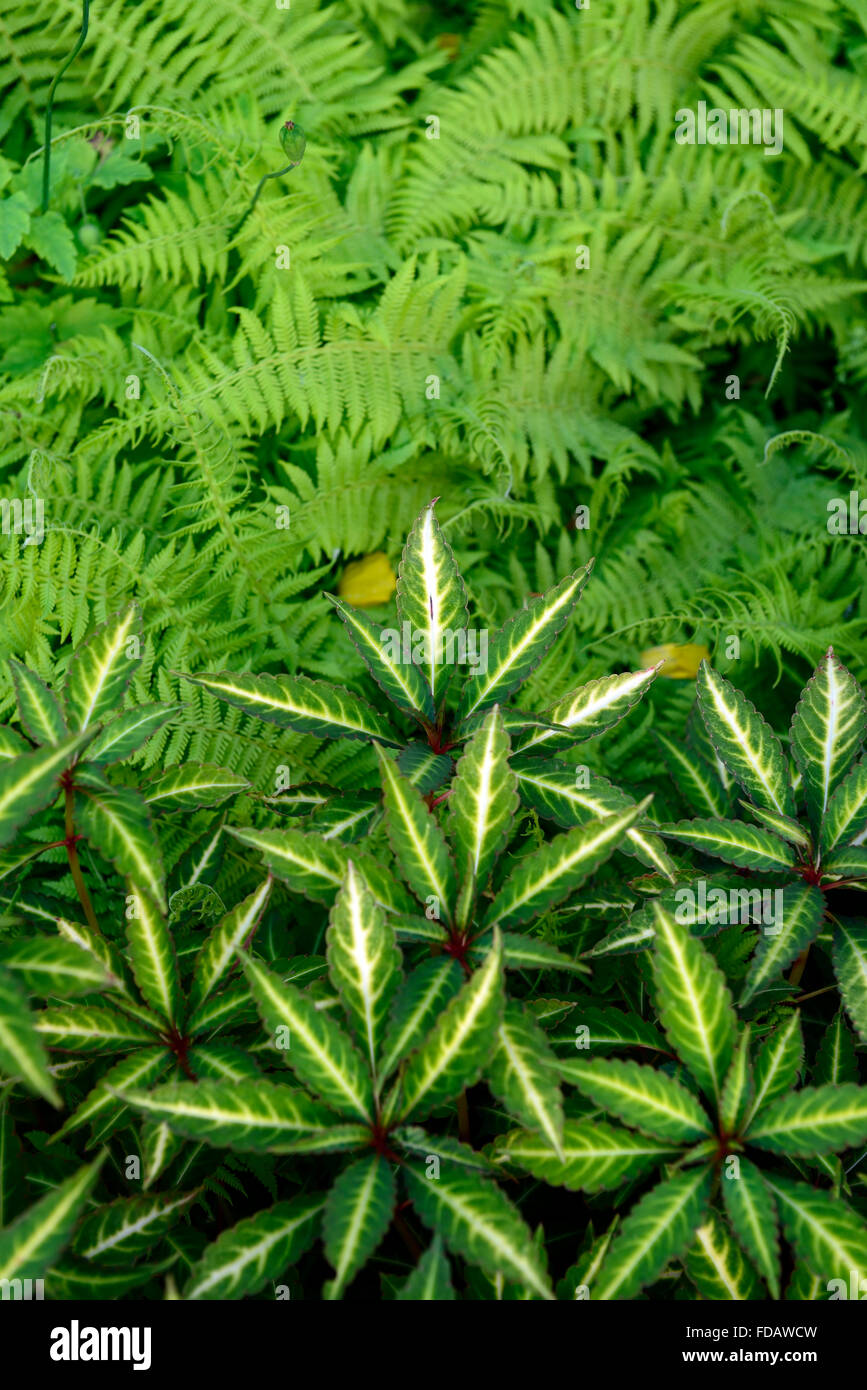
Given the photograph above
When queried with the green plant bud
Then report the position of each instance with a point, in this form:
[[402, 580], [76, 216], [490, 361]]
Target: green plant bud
[[89, 233], [294, 141]]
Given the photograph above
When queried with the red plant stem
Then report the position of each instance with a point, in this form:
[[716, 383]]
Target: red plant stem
[[71, 843], [804, 997], [178, 1045], [799, 967], [185, 1065]]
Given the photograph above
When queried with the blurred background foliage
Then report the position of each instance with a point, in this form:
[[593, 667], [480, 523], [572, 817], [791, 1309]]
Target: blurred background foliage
[[217, 425]]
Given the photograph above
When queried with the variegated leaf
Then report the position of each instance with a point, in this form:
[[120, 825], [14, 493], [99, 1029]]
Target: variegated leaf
[[744, 741], [552, 789], [30, 783], [158, 1147], [783, 826], [73, 1279], [218, 954], [848, 863], [128, 732], [806, 1287], [34, 1240], [695, 1006], [795, 924], [550, 873], [643, 1097], [27, 906], [45, 965], [417, 841], [477, 1221], [417, 1004], [752, 1212], [191, 785], [527, 953], [126, 1228], [101, 951], [242, 1260], [596, 1155], [358, 1211], [576, 1282], [814, 1120], [739, 1087], [589, 711], [152, 954], [515, 722], [364, 964], [431, 598], [39, 709], [414, 1139], [346, 818], [427, 770], [303, 799], [317, 867], [778, 1063], [836, 1058], [709, 904], [594, 1029], [296, 702], [735, 842], [314, 1045], [12, 745], [101, 669], [415, 929], [132, 1012], [255, 1117], [118, 824], [522, 1074], [482, 806], [142, 1066], [846, 817], [223, 1062], [634, 935], [388, 656], [230, 1005], [699, 741], [455, 1052], [430, 1281], [716, 1266], [850, 967], [520, 645], [827, 1235], [696, 779], [828, 729], [658, 1229], [22, 1053], [80, 1028]]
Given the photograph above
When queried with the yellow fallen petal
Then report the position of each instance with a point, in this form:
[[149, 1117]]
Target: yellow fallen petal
[[369, 582], [680, 661]]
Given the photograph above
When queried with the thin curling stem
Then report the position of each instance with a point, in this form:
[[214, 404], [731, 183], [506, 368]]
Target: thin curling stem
[[276, 175], [49, 110]]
